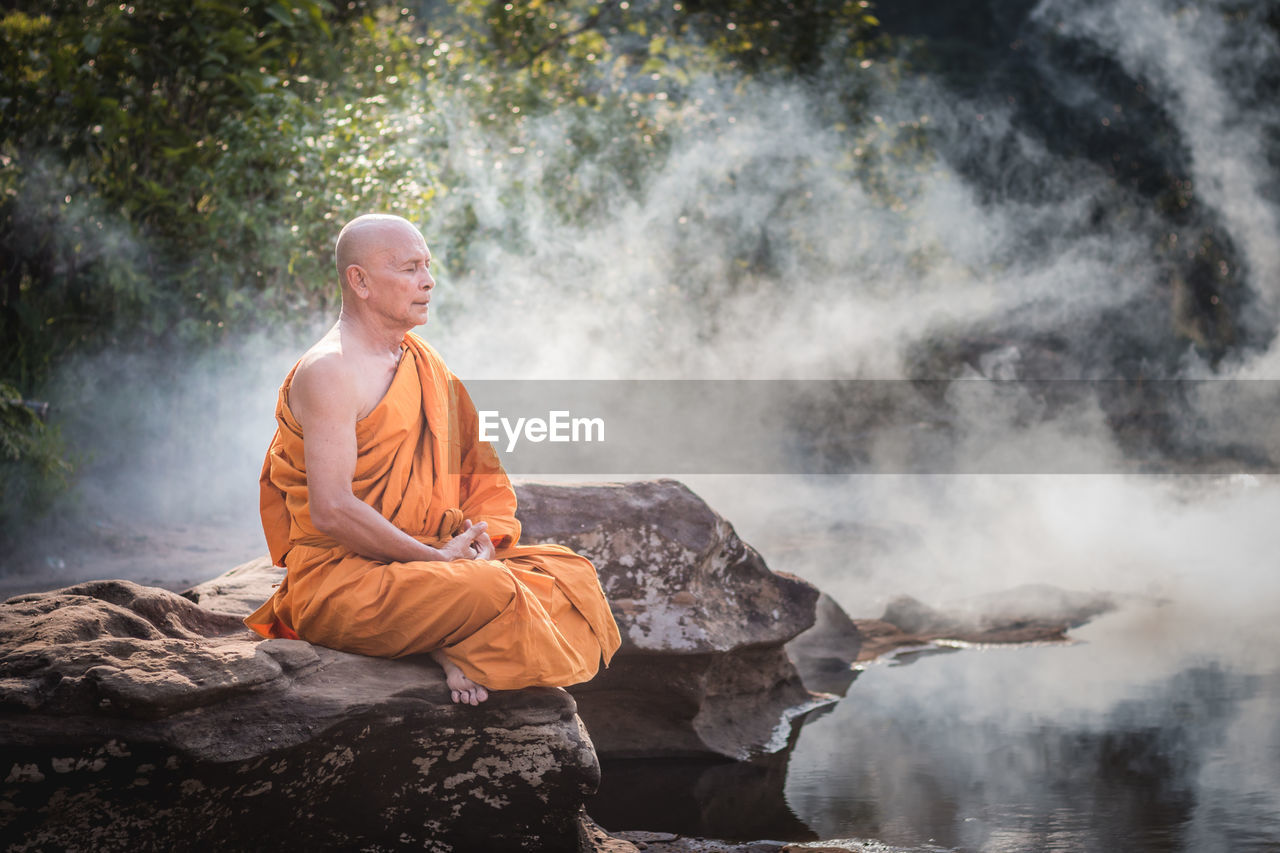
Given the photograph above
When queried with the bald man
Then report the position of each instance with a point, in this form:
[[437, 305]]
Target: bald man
[[396, 524]]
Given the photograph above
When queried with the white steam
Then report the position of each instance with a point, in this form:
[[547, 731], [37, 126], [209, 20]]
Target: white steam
[[754, 250], [1201, 59], [666, 284]]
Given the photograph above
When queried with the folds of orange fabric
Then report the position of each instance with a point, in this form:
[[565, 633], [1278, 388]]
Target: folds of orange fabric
[[535, 615]]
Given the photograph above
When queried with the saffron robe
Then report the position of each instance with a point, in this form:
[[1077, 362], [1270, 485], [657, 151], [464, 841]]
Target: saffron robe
[[534, 615]]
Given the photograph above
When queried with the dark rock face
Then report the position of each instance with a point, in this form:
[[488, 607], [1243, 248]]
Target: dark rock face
[[824, 654], [703, 670], [699, 798], [132, 718]]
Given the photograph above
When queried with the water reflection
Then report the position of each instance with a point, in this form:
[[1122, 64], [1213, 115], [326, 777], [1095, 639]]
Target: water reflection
[[1156, 731], [735, 800], [1047, 748]]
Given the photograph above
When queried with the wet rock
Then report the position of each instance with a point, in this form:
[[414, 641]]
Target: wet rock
[[825, 653], [132, 718], [597, 840], [665, 842], [1025, 614], [915, 617], [703, 669]]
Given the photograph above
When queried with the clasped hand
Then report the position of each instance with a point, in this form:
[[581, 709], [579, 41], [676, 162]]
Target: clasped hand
[[473, 543]]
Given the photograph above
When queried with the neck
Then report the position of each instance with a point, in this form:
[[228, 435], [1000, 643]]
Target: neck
[[375, 336]]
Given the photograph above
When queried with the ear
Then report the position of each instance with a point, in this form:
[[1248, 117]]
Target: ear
[[357, 280]]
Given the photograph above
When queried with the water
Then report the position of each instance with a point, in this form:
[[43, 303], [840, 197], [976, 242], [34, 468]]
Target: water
[[1104, 744], [1040, 749]]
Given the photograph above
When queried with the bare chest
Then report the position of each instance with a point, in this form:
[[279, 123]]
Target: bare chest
[[373, 381]]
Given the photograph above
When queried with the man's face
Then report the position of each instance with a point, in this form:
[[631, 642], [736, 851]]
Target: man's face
[[400, 277]]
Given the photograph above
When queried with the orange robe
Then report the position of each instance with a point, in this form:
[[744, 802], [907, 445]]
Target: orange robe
[[533, 615]]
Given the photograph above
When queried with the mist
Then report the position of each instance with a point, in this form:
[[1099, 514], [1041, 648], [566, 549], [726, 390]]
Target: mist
[[757, 248], [753, 250]]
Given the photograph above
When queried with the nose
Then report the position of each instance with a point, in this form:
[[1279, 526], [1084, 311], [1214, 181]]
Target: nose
[[429, 281]]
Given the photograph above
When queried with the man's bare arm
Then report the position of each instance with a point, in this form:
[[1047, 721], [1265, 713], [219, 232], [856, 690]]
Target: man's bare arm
[[323, 398]]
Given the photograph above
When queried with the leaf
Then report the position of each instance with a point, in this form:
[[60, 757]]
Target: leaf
[[317, 16], [281, 13]]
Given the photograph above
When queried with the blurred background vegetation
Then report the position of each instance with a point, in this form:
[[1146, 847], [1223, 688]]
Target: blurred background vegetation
[[174, 170], [172, 174]]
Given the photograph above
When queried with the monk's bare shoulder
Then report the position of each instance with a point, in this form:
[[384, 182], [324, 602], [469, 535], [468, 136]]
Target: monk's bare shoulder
[[325, 383]]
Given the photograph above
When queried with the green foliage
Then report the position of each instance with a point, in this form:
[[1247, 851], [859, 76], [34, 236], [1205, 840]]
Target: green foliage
[[174, 169], [32, 467], [118, 218], [116, 119]]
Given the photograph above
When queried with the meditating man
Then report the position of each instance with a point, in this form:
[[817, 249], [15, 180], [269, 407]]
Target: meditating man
[[396, 523]]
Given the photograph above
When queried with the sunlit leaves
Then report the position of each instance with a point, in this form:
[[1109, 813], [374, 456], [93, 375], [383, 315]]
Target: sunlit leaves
[[208, 150]]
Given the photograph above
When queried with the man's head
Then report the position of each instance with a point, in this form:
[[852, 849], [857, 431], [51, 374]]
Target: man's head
[[384, 267]]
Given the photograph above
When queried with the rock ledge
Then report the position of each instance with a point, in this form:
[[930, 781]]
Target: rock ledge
[[134, 719]]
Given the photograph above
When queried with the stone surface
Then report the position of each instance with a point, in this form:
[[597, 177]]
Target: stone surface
[[1035, 613], [133, 719], [597, 840], [703, 669], [675, 572], [824, 654], [239, 591], [666, 842]]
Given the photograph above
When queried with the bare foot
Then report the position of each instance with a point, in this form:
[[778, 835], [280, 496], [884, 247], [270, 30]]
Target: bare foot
[[461, 688]]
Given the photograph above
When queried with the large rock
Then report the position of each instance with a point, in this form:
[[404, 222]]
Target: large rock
[[702, 670], [133, 719]]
